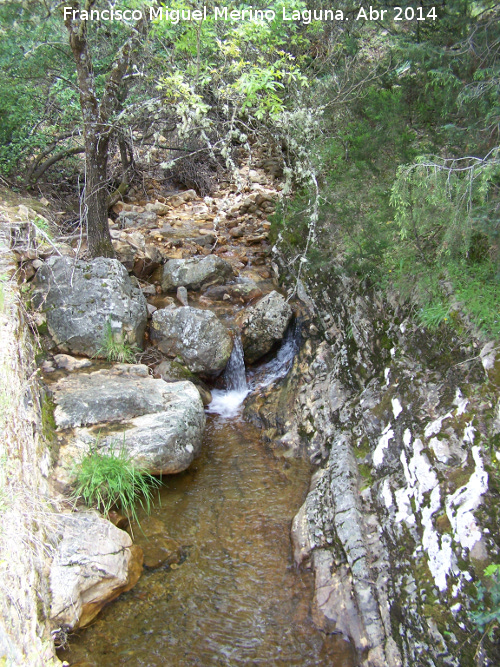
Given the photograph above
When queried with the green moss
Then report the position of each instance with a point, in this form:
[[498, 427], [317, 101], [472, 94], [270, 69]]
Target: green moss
[[43, 329], [459, 476], [385, 342], [365, 471], [443, 524], [362, 449], [384, 408], [48, 420], [48, 426], [439, 613]]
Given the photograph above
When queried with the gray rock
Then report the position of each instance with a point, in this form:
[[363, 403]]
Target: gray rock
[[193, 273], [94, 562], [82, 298], [197, 336], [182, 296], [128, 219], [182, 198], [264, 325], [159, 424]]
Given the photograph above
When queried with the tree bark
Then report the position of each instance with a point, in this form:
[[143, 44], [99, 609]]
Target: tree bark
[[96, 194]]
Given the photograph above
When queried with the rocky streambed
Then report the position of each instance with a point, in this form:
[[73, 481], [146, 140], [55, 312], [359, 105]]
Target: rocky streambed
[[182, 307], [400, 427]]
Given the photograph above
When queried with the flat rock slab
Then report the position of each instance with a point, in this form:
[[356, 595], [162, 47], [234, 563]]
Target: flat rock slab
[[81, 299], [119, 393], [94, 562], [195, 273], [197, 336], [159, 424]]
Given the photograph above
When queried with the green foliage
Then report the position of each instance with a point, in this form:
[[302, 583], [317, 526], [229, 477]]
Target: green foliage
[[115, 349], [487, 616], [477, 288], [108, 479]]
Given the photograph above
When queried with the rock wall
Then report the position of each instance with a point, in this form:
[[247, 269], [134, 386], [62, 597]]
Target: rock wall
[[399, 523], [26, 515]]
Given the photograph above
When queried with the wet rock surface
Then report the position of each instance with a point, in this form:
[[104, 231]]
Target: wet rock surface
[[87, 573], [81, 299]]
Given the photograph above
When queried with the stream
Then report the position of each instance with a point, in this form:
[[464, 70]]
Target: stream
[[236, 598]]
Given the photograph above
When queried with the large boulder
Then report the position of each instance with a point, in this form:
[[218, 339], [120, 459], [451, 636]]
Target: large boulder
[[93, 563], [197, 336], [196, 272], [160, 425], [264, 325], [81, 299]]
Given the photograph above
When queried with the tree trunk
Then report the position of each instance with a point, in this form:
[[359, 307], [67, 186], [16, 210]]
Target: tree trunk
[[96, 195]]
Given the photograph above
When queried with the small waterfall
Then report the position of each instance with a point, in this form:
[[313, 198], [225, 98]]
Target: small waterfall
[[227, 402], [234, 375], [277, 368]]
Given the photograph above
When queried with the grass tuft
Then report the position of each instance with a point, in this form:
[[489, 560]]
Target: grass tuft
[[114, 349], [110, 478], [433, 314]]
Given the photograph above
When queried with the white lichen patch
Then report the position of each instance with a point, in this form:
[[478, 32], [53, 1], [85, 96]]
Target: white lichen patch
[[403, 502], [461, 505], [460, 402], [441, 449], [469, 433], [383, 443], [397, 408], [434, 427], [422, 474], [387, 494], [439, 549]]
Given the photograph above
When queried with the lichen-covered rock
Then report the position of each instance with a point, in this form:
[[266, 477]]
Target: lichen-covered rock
[[197, 336], [400, 520], [195, 273], [93, 563], [264, 325], [81, 299], [160, 425]]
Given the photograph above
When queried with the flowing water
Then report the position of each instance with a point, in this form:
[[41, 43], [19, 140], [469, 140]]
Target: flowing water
[[237, 598], [227, 402]]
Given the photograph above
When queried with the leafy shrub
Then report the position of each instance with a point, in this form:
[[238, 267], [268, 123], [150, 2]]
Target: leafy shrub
[[487, 616], [106, 479]]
